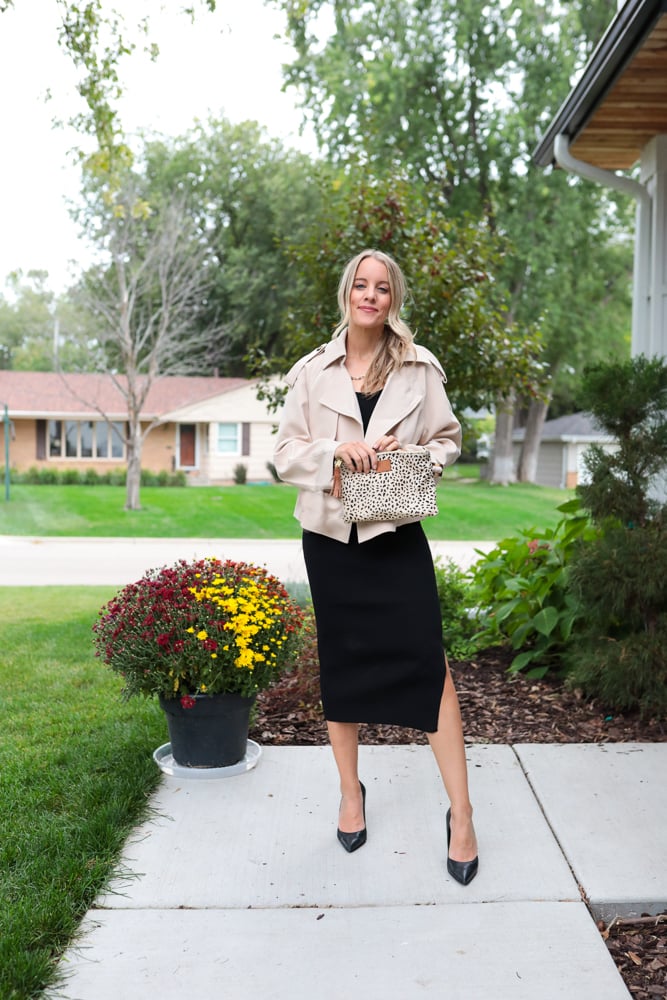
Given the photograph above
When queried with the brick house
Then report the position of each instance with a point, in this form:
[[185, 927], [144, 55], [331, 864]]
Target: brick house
[[204, 427]]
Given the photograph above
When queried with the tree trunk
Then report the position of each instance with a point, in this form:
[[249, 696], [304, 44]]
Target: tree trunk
[[537, 411], [502, 461], [133, 481]]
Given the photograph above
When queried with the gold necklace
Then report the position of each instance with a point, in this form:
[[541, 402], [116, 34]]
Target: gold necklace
[[357, 378]]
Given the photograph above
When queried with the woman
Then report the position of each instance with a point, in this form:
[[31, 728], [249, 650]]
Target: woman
[[373, 585]]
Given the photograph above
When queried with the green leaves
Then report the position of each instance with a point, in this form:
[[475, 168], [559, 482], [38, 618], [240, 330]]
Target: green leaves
[[521, 590]]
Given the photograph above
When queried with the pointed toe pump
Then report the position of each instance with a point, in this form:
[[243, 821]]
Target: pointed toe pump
[[462, 871], [353, 841]]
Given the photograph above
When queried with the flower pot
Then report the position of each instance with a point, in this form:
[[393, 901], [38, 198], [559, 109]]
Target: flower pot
[[213, 732]]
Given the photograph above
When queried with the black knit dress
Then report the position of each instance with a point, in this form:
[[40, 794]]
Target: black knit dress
[[379, 628]]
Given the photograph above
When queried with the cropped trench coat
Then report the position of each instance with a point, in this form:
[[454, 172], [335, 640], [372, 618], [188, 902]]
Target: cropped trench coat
[[321, 411]]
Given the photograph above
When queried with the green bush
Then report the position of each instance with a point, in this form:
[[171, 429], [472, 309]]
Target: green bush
[[619, 653], [240, 474], [47, 476], [116, 477], [70, 477], [90, 477], [522, 594], [458, 623]]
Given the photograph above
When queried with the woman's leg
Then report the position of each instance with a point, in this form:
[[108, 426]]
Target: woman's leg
[[449, 751], [344, 739]]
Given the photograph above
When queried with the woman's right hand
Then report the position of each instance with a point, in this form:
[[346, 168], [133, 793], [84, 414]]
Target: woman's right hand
[[357, 456]]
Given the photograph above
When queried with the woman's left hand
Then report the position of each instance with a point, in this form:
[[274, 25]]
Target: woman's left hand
[[387, 443]]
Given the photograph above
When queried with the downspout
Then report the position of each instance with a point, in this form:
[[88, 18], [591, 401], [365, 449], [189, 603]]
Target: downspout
[[643, 236]]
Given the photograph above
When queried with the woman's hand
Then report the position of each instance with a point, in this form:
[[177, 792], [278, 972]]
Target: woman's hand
[[358, 456], [387, 443]]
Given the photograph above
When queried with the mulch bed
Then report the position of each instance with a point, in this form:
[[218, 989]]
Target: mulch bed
[[496, 708]]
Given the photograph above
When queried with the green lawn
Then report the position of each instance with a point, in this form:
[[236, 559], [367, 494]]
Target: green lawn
[[469, 509], [75, 771]]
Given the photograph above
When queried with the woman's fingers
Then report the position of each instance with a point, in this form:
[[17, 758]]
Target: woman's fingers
[[357, 455], [387, 443]]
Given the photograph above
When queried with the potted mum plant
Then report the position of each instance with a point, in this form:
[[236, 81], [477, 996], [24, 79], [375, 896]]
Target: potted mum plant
[[204, 637]]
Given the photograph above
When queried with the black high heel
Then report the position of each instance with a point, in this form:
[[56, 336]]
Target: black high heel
[[353, 841], [463, 871]]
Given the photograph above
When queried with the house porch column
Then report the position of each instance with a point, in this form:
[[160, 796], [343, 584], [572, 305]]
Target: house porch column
[[649, 336]]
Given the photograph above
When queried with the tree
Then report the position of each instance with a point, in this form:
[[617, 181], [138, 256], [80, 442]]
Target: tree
[[248, 196], [145, 295], [40, 331], [458, 94], [455, 308]]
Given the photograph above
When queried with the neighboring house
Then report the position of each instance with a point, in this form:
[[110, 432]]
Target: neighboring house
[[205, 426], [564, 442]]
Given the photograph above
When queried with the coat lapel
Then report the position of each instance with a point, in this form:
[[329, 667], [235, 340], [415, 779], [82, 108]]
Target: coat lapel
[[402, 393]]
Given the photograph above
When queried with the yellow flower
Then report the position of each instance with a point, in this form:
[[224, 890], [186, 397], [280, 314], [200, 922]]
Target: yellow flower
[[203, 634]]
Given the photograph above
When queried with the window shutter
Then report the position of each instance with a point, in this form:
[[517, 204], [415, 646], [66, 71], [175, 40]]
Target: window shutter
[[40, 442], [245, 439]]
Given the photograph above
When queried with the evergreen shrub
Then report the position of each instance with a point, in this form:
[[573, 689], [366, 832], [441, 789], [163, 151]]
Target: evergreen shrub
[[620, 652]]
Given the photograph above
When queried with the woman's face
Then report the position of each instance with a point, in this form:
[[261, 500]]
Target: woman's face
[[370, 297]]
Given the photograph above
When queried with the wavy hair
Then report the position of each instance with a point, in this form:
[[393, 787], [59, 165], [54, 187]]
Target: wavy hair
[[395, 348]]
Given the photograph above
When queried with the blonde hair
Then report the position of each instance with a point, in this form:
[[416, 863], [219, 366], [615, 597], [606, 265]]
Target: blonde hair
[[396, 346]]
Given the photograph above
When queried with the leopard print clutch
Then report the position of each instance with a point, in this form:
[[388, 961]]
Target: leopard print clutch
[[403, 485]]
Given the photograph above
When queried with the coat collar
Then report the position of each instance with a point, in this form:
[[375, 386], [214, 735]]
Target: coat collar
[[402, 393]]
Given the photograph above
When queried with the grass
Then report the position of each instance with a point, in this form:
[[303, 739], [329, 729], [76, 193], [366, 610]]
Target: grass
[[75, 771], [469, 509]]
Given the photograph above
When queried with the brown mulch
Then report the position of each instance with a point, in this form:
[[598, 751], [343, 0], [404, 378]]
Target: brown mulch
[[496, 708]]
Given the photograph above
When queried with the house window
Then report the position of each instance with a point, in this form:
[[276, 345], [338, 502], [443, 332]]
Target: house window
[[55, 438], [86, 439], [229, 439]]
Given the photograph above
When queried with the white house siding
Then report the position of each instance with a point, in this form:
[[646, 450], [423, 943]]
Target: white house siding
[[241, 408]]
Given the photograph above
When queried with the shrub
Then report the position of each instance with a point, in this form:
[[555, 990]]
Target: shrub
[[90, 478], [70, 477], [521, 590], [274, 475], [458, 623], [620, 652], [48, 476], [240, 474]]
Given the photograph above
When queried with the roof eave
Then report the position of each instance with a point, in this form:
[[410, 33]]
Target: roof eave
[[631, 26]]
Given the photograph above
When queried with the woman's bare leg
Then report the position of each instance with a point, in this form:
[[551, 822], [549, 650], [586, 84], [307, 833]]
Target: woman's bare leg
[[344, 739], [449, 750]]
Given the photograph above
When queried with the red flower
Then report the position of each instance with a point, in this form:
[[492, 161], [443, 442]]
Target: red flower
[[187, 701]]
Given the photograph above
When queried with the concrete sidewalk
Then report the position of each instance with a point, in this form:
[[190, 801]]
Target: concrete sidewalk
[[238, 888], [31, 561]]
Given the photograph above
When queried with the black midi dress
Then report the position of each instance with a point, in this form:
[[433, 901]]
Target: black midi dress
[[379, 627]]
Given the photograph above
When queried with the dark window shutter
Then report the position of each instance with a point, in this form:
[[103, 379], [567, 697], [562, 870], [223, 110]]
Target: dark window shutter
[[245, 439], [40, 426]]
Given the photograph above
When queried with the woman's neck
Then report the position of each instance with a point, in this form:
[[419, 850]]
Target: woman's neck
[[361, 345]]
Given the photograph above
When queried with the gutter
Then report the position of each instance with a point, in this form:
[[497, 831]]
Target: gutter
[[643, 231], [624, 36]]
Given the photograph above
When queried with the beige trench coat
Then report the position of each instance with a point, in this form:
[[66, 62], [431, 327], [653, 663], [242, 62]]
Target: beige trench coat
[[321, 411]]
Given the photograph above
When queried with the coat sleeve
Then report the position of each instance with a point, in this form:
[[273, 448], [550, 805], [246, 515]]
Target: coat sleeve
[[299, 458], [441, 432]]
